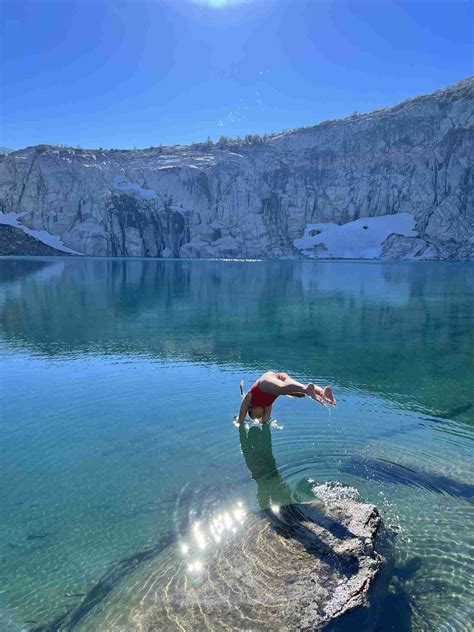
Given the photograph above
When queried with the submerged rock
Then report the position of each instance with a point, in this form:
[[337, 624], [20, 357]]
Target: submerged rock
[[297, 567], [293, 565]]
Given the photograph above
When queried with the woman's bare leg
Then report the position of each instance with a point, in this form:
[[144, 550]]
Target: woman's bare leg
[[269, 383], [325, 393]]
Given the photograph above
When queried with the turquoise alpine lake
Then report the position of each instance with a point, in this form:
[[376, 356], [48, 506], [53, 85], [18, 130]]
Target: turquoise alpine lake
[[119, 384]]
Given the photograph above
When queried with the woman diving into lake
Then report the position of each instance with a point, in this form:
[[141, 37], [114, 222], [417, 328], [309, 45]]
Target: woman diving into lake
[[258, 400]]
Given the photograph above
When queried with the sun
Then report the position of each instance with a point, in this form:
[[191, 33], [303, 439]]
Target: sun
[[217, 4]]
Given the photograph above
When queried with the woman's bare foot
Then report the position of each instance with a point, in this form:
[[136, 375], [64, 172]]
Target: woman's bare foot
[[311, 392], [328, 396]]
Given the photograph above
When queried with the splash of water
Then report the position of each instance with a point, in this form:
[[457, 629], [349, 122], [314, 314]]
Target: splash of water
[[249, 423]]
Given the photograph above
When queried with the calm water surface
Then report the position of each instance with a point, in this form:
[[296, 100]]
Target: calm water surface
[[119, 383]]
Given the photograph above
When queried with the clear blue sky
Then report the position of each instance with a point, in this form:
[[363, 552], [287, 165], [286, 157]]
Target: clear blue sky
[[114, 73]]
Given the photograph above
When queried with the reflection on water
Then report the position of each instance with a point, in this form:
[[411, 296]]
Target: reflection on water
[[256, 446], [120, 381], [392, 328], [276, 498]]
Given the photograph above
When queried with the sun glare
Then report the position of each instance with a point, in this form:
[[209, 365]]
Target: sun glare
[[218, 4]]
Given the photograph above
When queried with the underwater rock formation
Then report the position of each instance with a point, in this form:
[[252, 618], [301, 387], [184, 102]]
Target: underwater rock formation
[[305, 566], [395, 183], [292, 566]]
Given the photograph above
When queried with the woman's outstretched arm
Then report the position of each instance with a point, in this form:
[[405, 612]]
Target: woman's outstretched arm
[[244, 406]]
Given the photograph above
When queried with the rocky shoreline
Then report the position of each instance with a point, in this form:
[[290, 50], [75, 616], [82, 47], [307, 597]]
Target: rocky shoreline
[[14, 242]]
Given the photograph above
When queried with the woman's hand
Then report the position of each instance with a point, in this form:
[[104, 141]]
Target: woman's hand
[[244, 406]]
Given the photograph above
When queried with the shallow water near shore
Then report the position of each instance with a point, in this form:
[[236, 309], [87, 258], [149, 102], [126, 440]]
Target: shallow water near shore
[[119, 384]]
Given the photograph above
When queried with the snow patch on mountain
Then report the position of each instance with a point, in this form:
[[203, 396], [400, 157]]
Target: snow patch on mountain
[[12, 219], [361, 238], [125, 186]]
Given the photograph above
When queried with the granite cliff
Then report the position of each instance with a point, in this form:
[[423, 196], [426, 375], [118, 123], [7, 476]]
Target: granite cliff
[[395, 183]]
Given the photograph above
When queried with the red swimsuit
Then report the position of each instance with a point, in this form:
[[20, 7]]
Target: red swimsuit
[[259, 398]]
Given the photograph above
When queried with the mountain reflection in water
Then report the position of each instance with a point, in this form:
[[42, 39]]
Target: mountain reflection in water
[[384, 327]]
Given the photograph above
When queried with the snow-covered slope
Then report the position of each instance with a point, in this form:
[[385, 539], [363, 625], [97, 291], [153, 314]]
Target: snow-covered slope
[[15, 242], [405, 172], [14, 219]]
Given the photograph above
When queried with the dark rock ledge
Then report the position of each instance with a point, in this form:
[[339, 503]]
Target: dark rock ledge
[[14, 242]]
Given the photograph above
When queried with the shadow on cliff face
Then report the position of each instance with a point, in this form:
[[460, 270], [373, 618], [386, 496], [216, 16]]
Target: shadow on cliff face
[[349, 317], [135, 227]]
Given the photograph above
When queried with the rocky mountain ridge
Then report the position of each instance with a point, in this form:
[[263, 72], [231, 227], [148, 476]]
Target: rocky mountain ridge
[[395, 183]]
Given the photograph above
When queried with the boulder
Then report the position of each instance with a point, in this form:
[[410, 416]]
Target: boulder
[[304, 566]]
